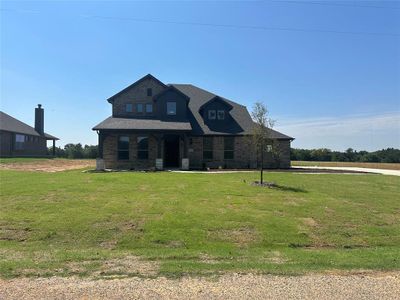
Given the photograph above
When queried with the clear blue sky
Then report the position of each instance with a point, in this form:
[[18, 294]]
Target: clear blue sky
[[324, 83]]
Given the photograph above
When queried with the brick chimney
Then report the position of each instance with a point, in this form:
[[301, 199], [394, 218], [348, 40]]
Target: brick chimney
[[39, 119]]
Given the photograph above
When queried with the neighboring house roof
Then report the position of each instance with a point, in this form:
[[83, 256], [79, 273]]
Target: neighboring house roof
[[8, 123], [141, 124]]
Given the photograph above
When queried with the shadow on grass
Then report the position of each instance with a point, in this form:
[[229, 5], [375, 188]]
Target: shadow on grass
[[289, 189], [273, 185]]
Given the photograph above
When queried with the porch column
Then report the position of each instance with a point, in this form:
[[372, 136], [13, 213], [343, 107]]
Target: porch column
[[159, 155], [101, 140], [185, 146], [159, 139], [54, 148]]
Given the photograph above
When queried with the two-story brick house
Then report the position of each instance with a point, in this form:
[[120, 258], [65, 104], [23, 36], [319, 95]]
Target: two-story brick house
[[156, 126]]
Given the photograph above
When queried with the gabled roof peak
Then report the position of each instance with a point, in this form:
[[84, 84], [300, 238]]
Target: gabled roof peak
[[172, 88], [215, 99], [148, 76]]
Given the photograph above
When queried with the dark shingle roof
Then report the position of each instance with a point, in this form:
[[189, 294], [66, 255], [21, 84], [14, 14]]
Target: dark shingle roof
[[8, 123], [141, 124], [243, 123]]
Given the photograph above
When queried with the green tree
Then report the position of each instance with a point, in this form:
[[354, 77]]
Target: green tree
[[261, 134]]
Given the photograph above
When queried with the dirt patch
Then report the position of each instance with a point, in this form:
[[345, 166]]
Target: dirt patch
[[128, 265], [50, 165], [309, 222], [117, 266], [241, 237], [208, 259], [14, 234], [276, 257]]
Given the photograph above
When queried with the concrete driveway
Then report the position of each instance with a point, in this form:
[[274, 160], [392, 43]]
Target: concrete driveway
[[366, 170]]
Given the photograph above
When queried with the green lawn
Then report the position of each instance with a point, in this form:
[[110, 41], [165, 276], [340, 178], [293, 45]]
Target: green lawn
[[73, 222]]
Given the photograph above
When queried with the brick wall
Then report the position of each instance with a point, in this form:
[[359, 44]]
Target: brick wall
[[136, 94], [245, 154], [110, 152]]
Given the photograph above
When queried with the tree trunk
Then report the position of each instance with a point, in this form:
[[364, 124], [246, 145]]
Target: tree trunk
[[262, 164]]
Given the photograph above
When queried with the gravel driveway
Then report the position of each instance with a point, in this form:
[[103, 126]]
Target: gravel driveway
[[232, 286]]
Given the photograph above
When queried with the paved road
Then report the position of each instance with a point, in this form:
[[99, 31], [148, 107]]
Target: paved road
[[233, 286], [366, 170]]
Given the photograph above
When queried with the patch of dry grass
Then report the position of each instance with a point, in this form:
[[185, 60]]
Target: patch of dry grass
[[46, 165]]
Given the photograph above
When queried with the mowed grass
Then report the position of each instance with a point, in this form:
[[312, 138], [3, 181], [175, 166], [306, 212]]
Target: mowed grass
[[387, 166], [73, 222]]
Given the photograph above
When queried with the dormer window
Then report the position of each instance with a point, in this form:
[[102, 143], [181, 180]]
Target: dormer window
[[211, 114], [171, 108], [221, 115]]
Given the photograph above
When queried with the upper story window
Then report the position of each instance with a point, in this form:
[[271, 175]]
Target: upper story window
[[149, 108], [149, 92], [128, 107], [221, 115], [139, 108], [269, 148], [171, 108], [211, 114]]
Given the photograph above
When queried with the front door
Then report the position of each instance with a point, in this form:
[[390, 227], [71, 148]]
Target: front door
[[171, 151]]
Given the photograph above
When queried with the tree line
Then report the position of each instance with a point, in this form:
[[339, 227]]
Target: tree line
[[389, 155], [75, 151]]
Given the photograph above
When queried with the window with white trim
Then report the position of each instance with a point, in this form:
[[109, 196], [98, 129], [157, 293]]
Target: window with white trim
[[221, 115]]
